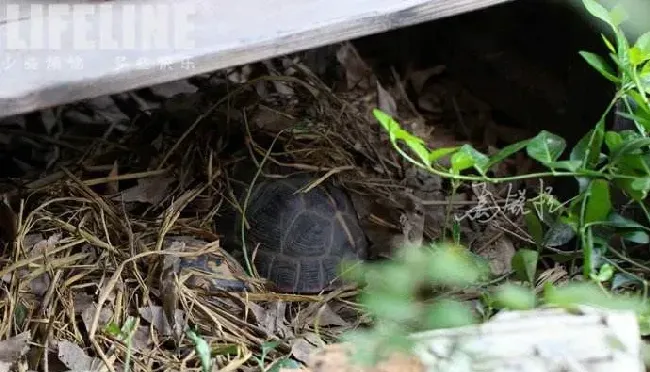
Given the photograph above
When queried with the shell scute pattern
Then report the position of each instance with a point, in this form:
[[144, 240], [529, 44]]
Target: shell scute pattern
[[301, 238], [309, 235]]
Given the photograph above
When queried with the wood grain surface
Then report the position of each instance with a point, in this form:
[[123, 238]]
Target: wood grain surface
[[223, 33]]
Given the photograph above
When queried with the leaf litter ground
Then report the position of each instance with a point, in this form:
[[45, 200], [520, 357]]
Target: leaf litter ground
[[90, 278]]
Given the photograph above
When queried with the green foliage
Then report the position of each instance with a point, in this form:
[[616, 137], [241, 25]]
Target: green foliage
[[414, 293], [395, 296], [525, 264], [602, 163], [202, 349]]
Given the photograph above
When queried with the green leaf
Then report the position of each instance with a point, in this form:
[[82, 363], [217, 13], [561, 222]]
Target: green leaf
[[113, 329], [366, 344], [638, 237], [385, 120], [613, 140], [640, 102], [391, 278], [635, 165], [507, 151], [570, 165], [453, 265], [599, 203], [598, 11], [461, 161], [395, 132], [626, 186], [456, 232], [585, 293], [559, 234], [618, 15], [599, 64], [588, 149], [643, 43], [629, 147], [390, 306], [514, 297], [616, 220], [630, 135], [641, 184], [202, 349], [623, 50], [524, 263], [546, 147], [20, 314], [641, 118], [284, 364], [269, 346], [480, 160], [644, 70], [605, 273], [608, 43], [440, 152], [534, 227], [446, 313], [637, 56], [414, 143]]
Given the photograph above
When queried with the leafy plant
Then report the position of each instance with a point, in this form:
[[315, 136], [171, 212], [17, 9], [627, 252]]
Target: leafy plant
[[603, 162], [414, 292]]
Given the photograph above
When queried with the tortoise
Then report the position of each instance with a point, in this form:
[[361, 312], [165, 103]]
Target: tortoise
[[296, 240]]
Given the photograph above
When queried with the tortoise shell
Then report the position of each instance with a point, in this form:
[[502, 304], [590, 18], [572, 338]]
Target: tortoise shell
[[298, 239]]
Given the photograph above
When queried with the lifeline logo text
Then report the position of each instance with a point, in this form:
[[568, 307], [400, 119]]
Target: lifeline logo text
[[97, 26]]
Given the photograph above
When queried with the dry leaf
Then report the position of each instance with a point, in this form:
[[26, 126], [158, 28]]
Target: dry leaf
[[173, 88], [280, 87], [302, 350], [141, 340], [156, 316], [88, 314], [113, 187], [419, 78], [324, 317], [272, 320], [148, 190], [269, 119], [385, 101], [75, 358], [40, 284], [497, 251], [82, 301], [357, 72], [14, 348], [170, 270]]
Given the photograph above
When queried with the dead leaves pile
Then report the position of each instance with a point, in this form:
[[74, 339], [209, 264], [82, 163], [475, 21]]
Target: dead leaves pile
[[81, 282]]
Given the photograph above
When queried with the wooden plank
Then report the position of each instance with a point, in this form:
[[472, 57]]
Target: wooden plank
[[540, 340], [224, 33]]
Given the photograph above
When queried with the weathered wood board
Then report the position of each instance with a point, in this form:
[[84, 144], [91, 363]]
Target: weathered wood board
[[541, 340], [51, 56]]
